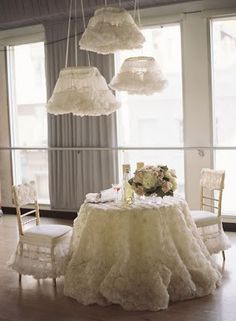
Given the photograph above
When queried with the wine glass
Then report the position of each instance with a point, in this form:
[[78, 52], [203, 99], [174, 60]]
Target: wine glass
[[116, 188]]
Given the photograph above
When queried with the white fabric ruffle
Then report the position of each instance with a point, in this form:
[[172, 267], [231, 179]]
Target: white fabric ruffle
[[212, 179], [140, 76], [82, 91], [109, 30], [140, 256], [214, 238], [26, 193], [37, 260]]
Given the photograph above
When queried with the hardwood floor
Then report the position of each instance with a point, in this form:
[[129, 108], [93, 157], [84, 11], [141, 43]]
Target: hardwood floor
[[39, 301]]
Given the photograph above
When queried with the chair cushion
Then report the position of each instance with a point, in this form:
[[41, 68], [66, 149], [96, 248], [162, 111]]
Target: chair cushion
[[205, 218], [45, 234]]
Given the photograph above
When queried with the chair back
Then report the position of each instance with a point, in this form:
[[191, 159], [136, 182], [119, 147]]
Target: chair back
[[22, 195], [212, 185]]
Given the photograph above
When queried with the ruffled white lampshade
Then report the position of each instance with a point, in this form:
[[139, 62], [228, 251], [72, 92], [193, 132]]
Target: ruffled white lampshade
[[109, 30], [82, 91], [139, 75]]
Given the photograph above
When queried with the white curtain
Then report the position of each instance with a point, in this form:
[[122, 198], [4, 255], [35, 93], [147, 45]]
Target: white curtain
[[72, 174]]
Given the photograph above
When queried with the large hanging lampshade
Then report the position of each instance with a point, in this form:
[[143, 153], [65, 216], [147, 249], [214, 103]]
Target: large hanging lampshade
[[111, 29], [82, 91], [139, 75]]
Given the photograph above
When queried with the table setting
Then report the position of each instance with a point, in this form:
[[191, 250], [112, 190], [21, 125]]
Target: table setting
[[139, 252]]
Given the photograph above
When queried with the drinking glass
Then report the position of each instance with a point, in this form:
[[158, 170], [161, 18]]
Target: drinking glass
[[116, 188]]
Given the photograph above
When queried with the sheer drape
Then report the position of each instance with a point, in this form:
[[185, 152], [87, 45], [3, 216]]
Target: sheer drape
[[72, 174]]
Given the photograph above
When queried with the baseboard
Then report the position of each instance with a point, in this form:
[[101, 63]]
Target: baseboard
[[71, 215], [230, 227]]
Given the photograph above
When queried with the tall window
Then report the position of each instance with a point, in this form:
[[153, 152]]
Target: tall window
[[27, 95], [224, 103], [155, 121]]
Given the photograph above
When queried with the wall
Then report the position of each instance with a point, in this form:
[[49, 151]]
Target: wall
[[196, 87]]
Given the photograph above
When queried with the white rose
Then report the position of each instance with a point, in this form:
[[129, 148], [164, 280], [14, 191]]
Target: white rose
[[149, 180], [172, 172], [174, 184]]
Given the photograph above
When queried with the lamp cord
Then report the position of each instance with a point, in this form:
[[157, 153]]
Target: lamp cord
[[135, 9], [76, 39], [68, 35], [82, 9], [137, 12]]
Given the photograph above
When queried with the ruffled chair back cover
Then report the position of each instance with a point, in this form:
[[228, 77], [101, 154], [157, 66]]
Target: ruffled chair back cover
[[208, 218], [25, 194], [212, 179]]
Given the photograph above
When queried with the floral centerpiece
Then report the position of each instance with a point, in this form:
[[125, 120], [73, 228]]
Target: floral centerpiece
[[154, 179]]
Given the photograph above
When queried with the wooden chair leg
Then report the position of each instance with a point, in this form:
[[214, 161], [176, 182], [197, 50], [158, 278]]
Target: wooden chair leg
[[223, 254], [53, 267], [21, 251]]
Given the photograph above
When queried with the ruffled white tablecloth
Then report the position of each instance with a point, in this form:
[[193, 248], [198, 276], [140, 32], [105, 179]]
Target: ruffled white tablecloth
[[140, 256]]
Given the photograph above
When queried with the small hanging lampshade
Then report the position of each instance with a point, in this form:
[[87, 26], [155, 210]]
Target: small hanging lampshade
[[139, 75], [109, 30], [82, 91]]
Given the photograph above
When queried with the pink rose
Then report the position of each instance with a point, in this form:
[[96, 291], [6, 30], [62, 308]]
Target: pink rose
[[139, 190], [166, 187]]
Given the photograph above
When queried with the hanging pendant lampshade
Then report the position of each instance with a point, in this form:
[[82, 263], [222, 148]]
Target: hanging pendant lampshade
[[111, 29], [82, 91], [139, 75]]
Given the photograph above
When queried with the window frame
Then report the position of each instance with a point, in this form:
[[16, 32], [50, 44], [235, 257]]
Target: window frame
[[229, 216], [14, 37], [199, 149], [168, 21]]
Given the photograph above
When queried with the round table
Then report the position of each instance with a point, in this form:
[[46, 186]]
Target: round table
[[140, 256]]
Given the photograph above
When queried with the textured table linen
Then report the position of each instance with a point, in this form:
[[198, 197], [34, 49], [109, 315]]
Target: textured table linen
[[140, 256]]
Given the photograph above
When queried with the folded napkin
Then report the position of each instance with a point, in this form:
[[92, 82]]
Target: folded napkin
[[107, 195], [92, 198]]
